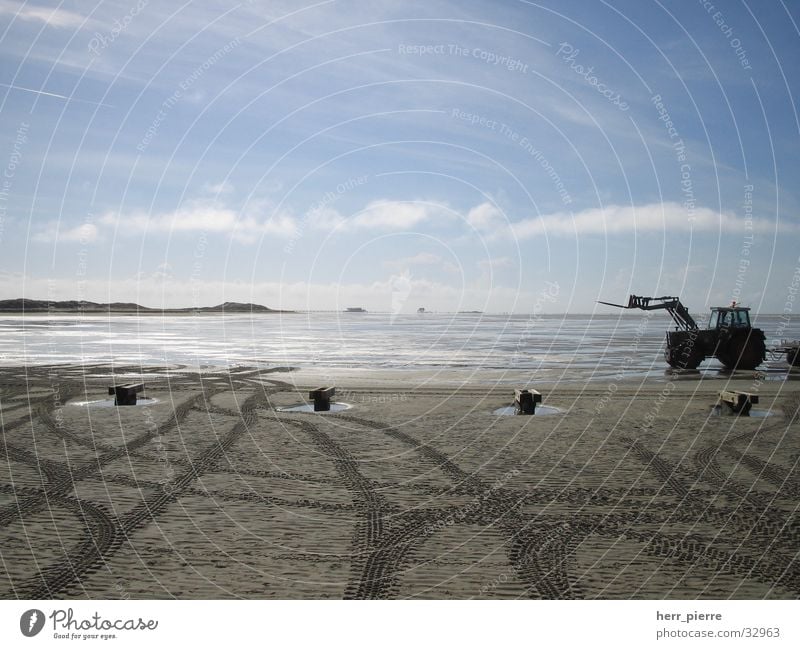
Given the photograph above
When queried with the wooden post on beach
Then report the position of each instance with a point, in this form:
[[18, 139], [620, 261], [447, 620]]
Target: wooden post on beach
[[322, 398], [739, 403], [525, 401], [125, 395]]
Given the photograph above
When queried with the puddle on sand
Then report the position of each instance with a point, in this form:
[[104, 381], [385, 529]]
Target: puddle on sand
[[309, 407], [719, 411], [109, 403], [540, 411]]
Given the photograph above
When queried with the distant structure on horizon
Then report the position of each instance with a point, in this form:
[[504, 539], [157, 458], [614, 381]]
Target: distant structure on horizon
[[355, 309], [421, 309]]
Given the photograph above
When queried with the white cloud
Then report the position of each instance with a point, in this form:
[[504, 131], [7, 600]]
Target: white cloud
[[486, 217], [496, 262], [422, 259], [380, 215], [204, 216], [250, 229], [259, 219], [53, 231], [325, 218], [395, 215], [652, 217], [162, 272], [194, 217], [47, 15]]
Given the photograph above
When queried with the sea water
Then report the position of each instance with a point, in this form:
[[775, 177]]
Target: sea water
[[553, 346]]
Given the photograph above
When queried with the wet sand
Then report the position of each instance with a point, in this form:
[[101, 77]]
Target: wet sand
[[634, 490]]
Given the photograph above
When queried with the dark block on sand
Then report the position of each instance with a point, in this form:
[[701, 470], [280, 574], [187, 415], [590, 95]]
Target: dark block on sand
[[125, 395], [739, 403], [322, 398], [526, 400]]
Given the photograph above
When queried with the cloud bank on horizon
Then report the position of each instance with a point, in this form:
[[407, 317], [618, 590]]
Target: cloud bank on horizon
[[309, 155]]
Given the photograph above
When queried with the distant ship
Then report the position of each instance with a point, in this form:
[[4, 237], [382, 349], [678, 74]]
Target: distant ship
[[356, 309], [421, 309]]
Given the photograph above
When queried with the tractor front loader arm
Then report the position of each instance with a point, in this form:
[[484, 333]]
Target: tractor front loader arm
[[680, 314]]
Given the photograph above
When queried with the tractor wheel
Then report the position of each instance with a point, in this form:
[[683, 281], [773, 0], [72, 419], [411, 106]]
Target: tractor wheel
[[793, 356], [743, 352], [685, 356]]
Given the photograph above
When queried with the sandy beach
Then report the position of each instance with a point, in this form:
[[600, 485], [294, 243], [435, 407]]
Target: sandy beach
[[631, 490]]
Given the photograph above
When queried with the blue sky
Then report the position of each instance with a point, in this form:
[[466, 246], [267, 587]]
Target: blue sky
[[496, 156]]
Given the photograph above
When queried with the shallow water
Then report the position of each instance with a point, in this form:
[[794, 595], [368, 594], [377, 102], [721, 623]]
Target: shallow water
[[722, 411], [109, 403], [540, 411], [309, 407], [551, 347]]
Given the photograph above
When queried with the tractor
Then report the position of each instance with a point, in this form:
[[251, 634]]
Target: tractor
[[729, 338]]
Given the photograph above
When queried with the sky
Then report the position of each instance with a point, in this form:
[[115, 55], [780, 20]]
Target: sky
[[511, 156]]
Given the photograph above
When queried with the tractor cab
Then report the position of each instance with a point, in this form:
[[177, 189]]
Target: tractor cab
[[729, 317]]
